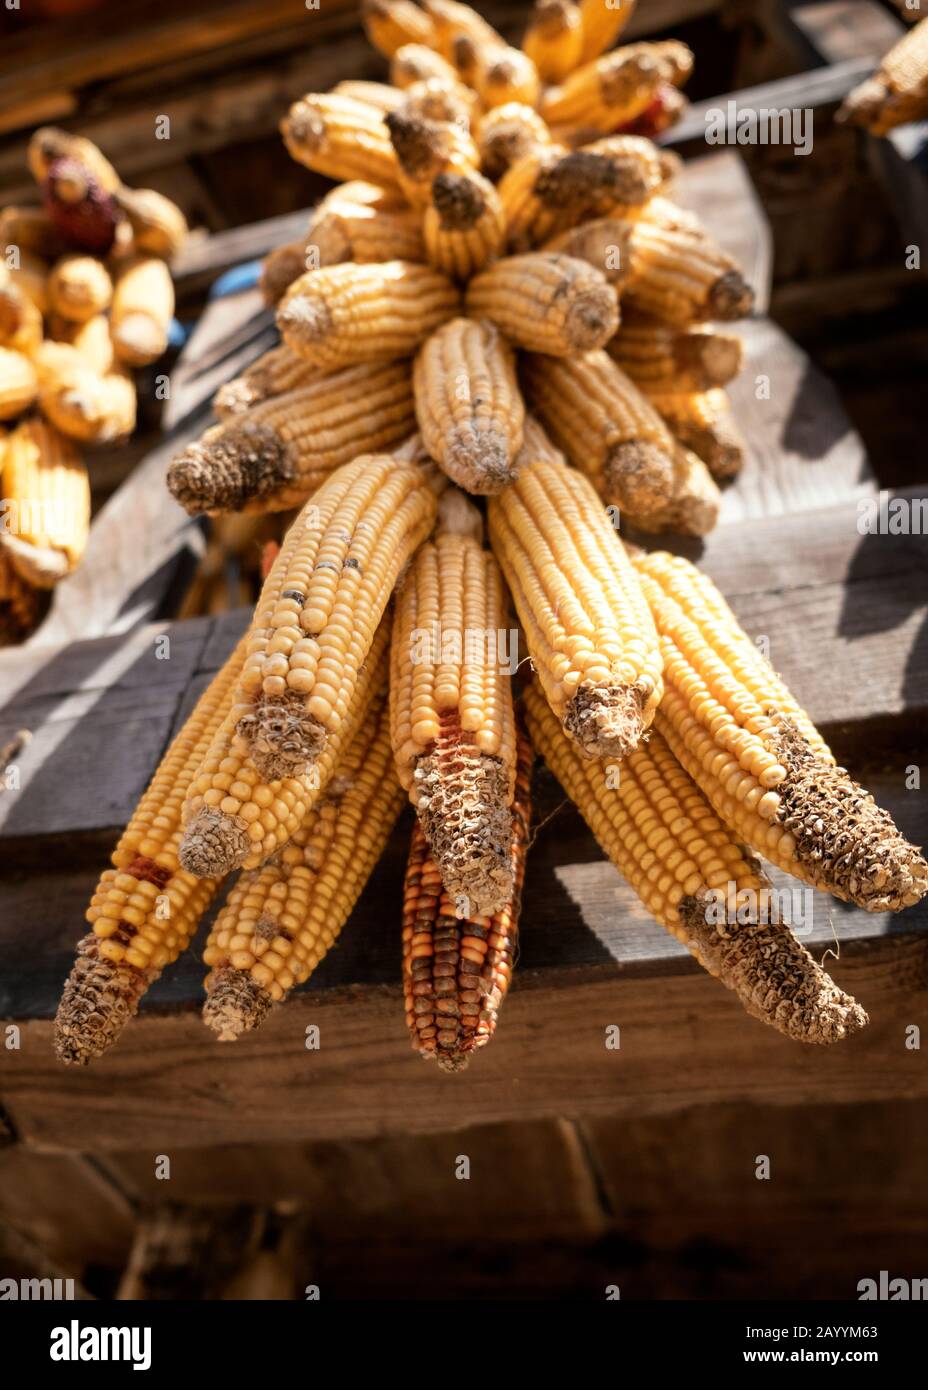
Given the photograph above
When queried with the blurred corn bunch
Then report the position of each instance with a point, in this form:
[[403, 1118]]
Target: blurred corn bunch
[[898, 90], [85, 298], [452, 326]]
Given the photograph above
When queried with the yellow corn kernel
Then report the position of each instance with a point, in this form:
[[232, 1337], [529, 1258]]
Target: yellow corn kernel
[[143, 306], [507, 134], [692, 875], [79, 287], [546, 303], [18, 383], [586, 622], [389, 24], [464, 227], [130, 945], [761, 762], [468, 405], [341, 138], [602, 24], [554, 38], [159, 228], [457, 968], [703, 422], [48, 496], [322, 603], [451, 707], [349, 313], [276, 453]]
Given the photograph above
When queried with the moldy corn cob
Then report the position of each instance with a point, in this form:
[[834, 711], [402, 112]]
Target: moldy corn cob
[[587, 625], [468, 405], [457, 969], [349, 313], [146, 907], [281, 920], [546, 303], [321, 605], [279, 451], [657, 827], [451, 706], [758, 757]]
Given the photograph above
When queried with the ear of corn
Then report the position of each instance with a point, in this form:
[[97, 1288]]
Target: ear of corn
[[31, 275], [656, 826], [159, 228], [391, 23], [587, 625], [507, 134], [275, 455], [661, 359], [347, 313], [143, 306], [416, 62], [504, 75], [457, 969], [80, 401], [49, 144], [602, 24], [679, 274], [234, 817], [898, 90], [281, 920], [20, 319], [47, 491], [554, 38], [281, 267], [79, 287], [341, 138], [453, 22], [347, 231], [425, 148], [274, 373], [703, 422], [610, 92], [381, 96], [613, 434], [90, 339], [18, 383], [463, 227], [761, 762], [321, 605], [468, 404], [451, 708], [546, 303]]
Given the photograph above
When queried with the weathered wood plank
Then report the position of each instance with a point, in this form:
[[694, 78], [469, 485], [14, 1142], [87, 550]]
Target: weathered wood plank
[[838, 31], [66, 1206]]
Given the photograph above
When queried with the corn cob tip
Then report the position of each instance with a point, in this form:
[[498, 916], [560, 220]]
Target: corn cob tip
[[305, 318], [606, 721], [592, 318], [585, 180], [247, 461], [280, 737], [213, 844], [235, 1003], [413, 139], [639, 476], [731, 297], [99, 998], [459, 201], [478, 460], [715, 357], [846, 842], [774, 977], [461, 799]]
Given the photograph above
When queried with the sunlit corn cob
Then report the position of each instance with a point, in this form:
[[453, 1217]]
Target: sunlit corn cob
[[610, 92], [697, 499], [660, 358], [608, 430], [281, 267], [898, 90], [451, 707], [143, 306], [272, 374], [91, 340], [468, 405], [20, 320], [426, 147], [552, 189], [280, 920], [703, 422], [341, 138], [159, 228], [81, 402], [554, 38], [79, 287], [602, 24], [457, 969], [415, 62], [31, 275], [691, 874], [343, 230], [379, 95], [20, 602], [233, 817], [546, 303], [504, 75], [681, 275], [275, 455], [146, 908], [757, 756], [321, 605], [32, 230], [507, 134], [18, 383], [463, 227], [47, 494], [350, 313], [437, 99], [49, 144], [453, 22], [391, 23], [589, 632]]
